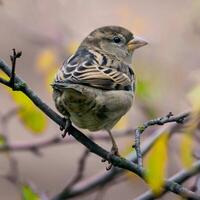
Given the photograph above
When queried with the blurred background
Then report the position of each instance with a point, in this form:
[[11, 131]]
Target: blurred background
[[49, 31]]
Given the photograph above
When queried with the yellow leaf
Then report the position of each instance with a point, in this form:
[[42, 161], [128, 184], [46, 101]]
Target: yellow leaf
[[156, 163], [186, 150], [186, 145], [46, 60], [4, 76], [29, 114]]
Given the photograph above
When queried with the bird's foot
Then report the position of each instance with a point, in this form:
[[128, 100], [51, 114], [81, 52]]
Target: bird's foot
[[66, 127], [114, 151]]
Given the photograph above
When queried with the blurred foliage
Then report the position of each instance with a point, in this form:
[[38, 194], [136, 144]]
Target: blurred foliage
[[144, 89], [47, 64], [2, 140], [28, 113], [28, 193], [187, 144], [194, 98], [156, 163], [146, 92], [186, 148], [72, 47], [46, 60]]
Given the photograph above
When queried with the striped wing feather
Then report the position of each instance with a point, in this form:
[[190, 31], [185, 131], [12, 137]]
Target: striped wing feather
[[86, 69]]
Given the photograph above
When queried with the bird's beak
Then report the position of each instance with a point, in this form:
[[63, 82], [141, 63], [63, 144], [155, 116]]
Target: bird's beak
[[135, 43]]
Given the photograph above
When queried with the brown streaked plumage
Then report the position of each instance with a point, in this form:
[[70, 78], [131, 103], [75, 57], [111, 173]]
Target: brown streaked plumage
[[96, 85]]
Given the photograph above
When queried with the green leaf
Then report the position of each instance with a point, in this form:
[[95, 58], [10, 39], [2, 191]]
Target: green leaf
[[28, 193], [30, 115], [156, 164]]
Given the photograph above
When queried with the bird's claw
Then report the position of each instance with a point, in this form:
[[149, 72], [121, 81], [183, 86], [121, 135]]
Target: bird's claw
[[114, 151], [66, 127]]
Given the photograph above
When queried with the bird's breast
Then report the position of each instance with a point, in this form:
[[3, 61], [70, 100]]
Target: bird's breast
[[95, 109]]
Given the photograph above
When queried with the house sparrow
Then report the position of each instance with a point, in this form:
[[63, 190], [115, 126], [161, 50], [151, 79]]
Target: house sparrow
[[96, 85]]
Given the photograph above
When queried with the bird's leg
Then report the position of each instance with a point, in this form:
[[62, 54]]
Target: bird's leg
[[114, 150], [67, 124]]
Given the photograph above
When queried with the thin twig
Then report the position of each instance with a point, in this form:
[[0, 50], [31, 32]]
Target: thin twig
[[13, 174], [11, 113], [181, 191], [39, 143], [79, 173], [101, 192], [13, 59], [158, 121]]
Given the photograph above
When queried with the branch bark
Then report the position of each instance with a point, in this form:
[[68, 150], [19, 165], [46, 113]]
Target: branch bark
[[158, 121]]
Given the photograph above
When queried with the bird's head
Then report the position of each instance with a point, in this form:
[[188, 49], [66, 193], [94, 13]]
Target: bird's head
[[114, 40]]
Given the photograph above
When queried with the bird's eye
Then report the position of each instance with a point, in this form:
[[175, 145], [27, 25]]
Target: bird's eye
[[117, 39]]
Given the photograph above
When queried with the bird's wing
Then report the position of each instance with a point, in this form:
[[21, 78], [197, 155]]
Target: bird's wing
[[86, 68]]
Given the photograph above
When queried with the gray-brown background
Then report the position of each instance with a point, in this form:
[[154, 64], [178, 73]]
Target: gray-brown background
[[170, 61]]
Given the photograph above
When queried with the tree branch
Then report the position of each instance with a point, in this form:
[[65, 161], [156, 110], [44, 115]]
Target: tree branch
[[78, 176], [181, 191], [172, 184], [104, 178], [19, 84], [158, 121], [93, 147]]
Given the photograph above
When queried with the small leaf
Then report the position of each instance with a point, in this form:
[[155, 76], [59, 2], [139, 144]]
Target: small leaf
[[29, 114], [4, 76], [156, 164], [28, 193]]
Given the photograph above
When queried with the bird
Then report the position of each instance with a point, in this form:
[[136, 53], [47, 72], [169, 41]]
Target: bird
[[95, 86]]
